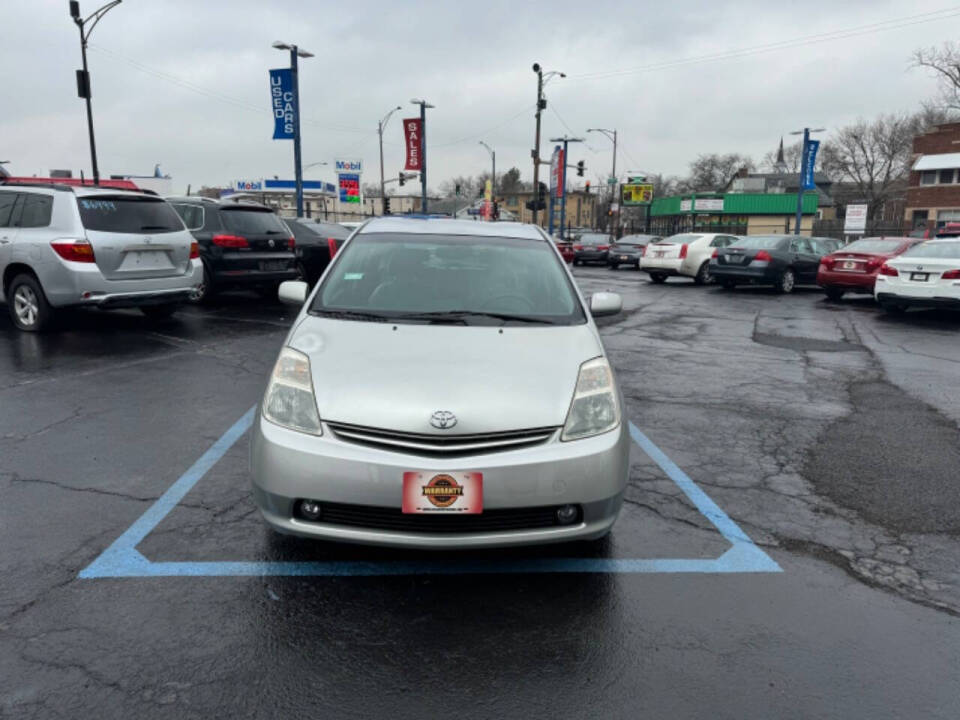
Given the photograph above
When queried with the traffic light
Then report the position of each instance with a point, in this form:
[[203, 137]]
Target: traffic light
[[386, 206], [402, 179], [586, 188], [457, 189], [540, 202], [580, 169]]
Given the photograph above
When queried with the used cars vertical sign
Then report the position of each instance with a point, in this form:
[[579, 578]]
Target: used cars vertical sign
[[282, 103], [413, 138]]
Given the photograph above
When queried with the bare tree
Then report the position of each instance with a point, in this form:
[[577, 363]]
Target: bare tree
[[371, 190], [874, 157], [712, 171], [792, 155], [944, 61], [467, 185]]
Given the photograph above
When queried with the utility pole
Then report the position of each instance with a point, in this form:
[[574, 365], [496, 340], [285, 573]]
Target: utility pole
[[803, 172], [615, 195], [83, 76], [542, 80], [423, 152], [380, 126], [295, 53], [563, 181]]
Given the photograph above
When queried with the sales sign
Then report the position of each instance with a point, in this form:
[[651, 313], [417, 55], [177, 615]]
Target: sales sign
[[283, 103], [855, 222], [708, 205], [557, 172], [349, 188], [413, 139], [637, 194]]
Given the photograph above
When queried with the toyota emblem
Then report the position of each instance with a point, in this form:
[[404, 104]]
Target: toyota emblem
[[443, 419]]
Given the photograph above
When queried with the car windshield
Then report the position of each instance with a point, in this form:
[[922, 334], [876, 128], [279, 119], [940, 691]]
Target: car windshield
[[458, 279], [758, 242], [128, 214], [248, 221], [873, 245], [934, 250], [593, 239]]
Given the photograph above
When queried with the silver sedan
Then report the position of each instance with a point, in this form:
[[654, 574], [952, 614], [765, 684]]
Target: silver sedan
[[444, 386]]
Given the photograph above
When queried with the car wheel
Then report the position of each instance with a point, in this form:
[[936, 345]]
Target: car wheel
[[728, 284], [787, 281], [206, 291], [160, 312], [28, 304], [658, 278], [703, 274], [834, 294]]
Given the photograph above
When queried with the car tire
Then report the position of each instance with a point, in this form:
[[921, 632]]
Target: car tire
[[160, 312], [207, 291], [658, 278], [834, 294], [786, 282], [28, 304], [728, 284], [703, 274]]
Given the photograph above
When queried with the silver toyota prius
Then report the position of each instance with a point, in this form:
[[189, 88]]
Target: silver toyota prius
[[444, 386]]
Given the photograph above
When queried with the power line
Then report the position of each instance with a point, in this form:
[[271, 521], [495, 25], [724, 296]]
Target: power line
[[892, 24]]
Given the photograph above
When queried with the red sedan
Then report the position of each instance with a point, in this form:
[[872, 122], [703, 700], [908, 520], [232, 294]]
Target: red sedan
[[854, 267], [566, 250]]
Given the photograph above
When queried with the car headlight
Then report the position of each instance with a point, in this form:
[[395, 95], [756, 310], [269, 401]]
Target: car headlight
[[595, 408], [289, 400]]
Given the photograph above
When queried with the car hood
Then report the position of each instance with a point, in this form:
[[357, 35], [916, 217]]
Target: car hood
[[396, 376]]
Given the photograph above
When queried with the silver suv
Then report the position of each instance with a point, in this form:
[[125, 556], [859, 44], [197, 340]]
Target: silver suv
[[83, 246]]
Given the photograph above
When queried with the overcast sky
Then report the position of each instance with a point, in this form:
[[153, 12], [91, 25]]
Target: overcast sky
[[184, 83]]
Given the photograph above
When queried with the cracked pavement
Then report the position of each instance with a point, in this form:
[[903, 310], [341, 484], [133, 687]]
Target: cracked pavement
[[827, 431]]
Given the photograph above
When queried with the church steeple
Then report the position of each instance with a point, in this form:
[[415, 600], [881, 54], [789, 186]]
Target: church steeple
[[781, 164]]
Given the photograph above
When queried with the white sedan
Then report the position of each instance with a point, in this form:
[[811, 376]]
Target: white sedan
[[926, 275], [687, 254]]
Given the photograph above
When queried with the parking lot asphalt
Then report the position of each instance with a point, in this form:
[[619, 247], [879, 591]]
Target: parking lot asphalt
[[827, 433]]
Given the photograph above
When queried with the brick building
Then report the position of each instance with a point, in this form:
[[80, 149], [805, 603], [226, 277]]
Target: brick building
[[933, 195]]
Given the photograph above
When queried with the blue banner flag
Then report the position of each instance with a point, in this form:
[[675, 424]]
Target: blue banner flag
[[283, 103], [810, 161]]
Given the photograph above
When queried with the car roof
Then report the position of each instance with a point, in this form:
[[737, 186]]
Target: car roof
[[447, 226]]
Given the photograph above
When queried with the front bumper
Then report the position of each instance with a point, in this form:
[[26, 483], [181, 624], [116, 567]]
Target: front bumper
[[288, 465]]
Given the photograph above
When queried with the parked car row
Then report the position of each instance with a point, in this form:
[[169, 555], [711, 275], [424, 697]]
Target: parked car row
[[82, 246], [901, 272]]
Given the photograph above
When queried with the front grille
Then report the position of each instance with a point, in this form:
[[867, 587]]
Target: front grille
[[381, 518], [441, 445]]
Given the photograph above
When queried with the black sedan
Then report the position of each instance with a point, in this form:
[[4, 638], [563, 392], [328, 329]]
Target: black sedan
[[783, 261], [628, 250], [591, 247], [317, 243]]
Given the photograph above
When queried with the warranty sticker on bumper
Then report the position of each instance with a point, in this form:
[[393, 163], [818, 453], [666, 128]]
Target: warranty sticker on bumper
[[443, 492]]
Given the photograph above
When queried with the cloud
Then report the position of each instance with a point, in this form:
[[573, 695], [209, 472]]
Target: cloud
[[185, 83]]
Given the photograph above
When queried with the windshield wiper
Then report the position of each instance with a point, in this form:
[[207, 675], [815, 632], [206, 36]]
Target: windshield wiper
[[354, 315], [463, 315]]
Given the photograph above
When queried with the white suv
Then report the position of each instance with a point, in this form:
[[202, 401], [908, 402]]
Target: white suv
[[73, 246]]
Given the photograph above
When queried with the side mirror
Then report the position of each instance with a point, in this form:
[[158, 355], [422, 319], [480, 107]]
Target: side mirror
[[293, 292], [605, 303]]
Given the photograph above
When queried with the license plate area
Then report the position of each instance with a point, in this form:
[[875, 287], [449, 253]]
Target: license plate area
[[139, 260], [442, 493], [919, 277], [273, 265]]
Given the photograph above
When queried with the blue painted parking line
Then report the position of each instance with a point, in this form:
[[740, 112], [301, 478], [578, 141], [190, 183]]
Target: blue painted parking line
[[122, 559]]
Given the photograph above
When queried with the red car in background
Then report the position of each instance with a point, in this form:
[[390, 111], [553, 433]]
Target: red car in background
[[566, 250], [854, 267]]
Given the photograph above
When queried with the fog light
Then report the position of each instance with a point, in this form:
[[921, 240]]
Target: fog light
[[566, 514], [310, 509]]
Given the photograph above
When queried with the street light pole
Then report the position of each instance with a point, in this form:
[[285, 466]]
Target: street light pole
[[541, 105], [612, 135], [83, 76], [803, 171], [295, 53], [380, 126], [423, 152]]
